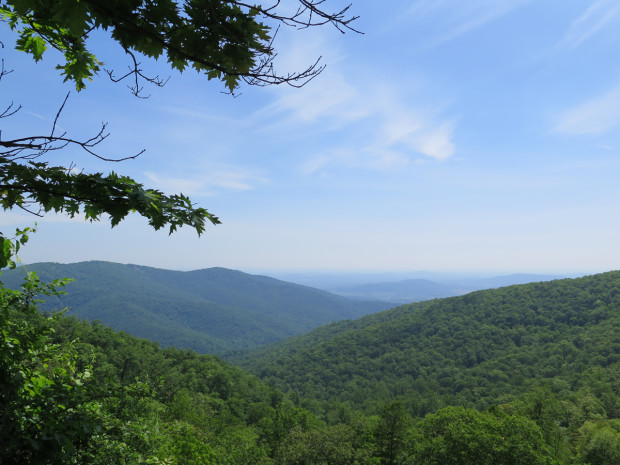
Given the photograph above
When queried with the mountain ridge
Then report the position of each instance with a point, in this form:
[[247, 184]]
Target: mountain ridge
[[210, 310]]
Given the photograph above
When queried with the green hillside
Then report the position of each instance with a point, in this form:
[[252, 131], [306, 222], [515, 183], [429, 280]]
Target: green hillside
[[210, 311], [476, 350], [80, 392]]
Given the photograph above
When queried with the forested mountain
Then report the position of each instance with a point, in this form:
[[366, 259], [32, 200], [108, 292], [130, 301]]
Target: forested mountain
[[476, 350], [210, 310], [79, 392]]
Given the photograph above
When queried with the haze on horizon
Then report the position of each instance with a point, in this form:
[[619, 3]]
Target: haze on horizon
[[481, 136]]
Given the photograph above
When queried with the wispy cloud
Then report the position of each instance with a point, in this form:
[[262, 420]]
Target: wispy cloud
[[330, 97], [598, 15], [374, 158], [183, 111], [593, 117], [454, 18], [207, 182], [391, 123], [415, 130]]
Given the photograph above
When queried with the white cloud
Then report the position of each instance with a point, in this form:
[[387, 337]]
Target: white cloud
[[383, 126], [417, 131], [594, 19], [384, 159], [314, 164], [455, 18], [176, 185], [185, 112], [330, 97], [436, 142], [593, 117], [207, 182], [376, 121]]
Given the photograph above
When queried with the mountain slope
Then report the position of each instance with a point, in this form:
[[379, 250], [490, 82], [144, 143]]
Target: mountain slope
[[471, 350], [209, 310]]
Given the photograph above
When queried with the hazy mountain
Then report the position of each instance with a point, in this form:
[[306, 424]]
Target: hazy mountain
[[440, 285], [409, 290], [208, 310]]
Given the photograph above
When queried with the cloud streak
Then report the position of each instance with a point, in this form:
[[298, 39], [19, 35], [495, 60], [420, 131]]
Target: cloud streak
[[593, 117], [391, 126], [598, 15], [456, 18], [208, 182]]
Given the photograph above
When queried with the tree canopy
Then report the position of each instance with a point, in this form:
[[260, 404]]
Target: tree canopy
[[228, 40]]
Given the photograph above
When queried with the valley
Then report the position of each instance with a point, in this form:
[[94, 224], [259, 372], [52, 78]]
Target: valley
[[520, 374]]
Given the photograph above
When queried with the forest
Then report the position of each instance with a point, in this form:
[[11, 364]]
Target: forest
[[80, 392], [475, 350], [523, 375]]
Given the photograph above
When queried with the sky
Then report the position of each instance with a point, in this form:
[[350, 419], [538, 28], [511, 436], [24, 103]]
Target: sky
[[449, 136]]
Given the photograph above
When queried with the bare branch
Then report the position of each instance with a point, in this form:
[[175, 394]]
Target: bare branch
[[32, 147], [10, 111], [58, 114], [308, 14], [39, 214], [137, 73]]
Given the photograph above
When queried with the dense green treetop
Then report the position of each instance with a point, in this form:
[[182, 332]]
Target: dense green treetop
[[459, 436]]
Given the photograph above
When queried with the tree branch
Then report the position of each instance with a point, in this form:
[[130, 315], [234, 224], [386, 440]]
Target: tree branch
[[40, 145]]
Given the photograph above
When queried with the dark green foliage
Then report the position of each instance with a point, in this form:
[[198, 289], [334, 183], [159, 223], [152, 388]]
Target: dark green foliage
[[475, 350], [210, 311], [459, 436], [599, 442], [327, 445], [391, 434], [46, 414], [79, 392], [111, 398], [58, 189]]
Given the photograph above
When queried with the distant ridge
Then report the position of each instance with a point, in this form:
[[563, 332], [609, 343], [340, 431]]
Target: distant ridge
[[408, 290], [418, 289], [210, 310]]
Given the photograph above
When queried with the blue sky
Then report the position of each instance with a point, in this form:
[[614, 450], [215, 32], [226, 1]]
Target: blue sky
[[451, 136]]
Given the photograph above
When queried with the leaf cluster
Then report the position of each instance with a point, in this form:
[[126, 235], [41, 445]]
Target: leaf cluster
[[225, 39], [60, 189]]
